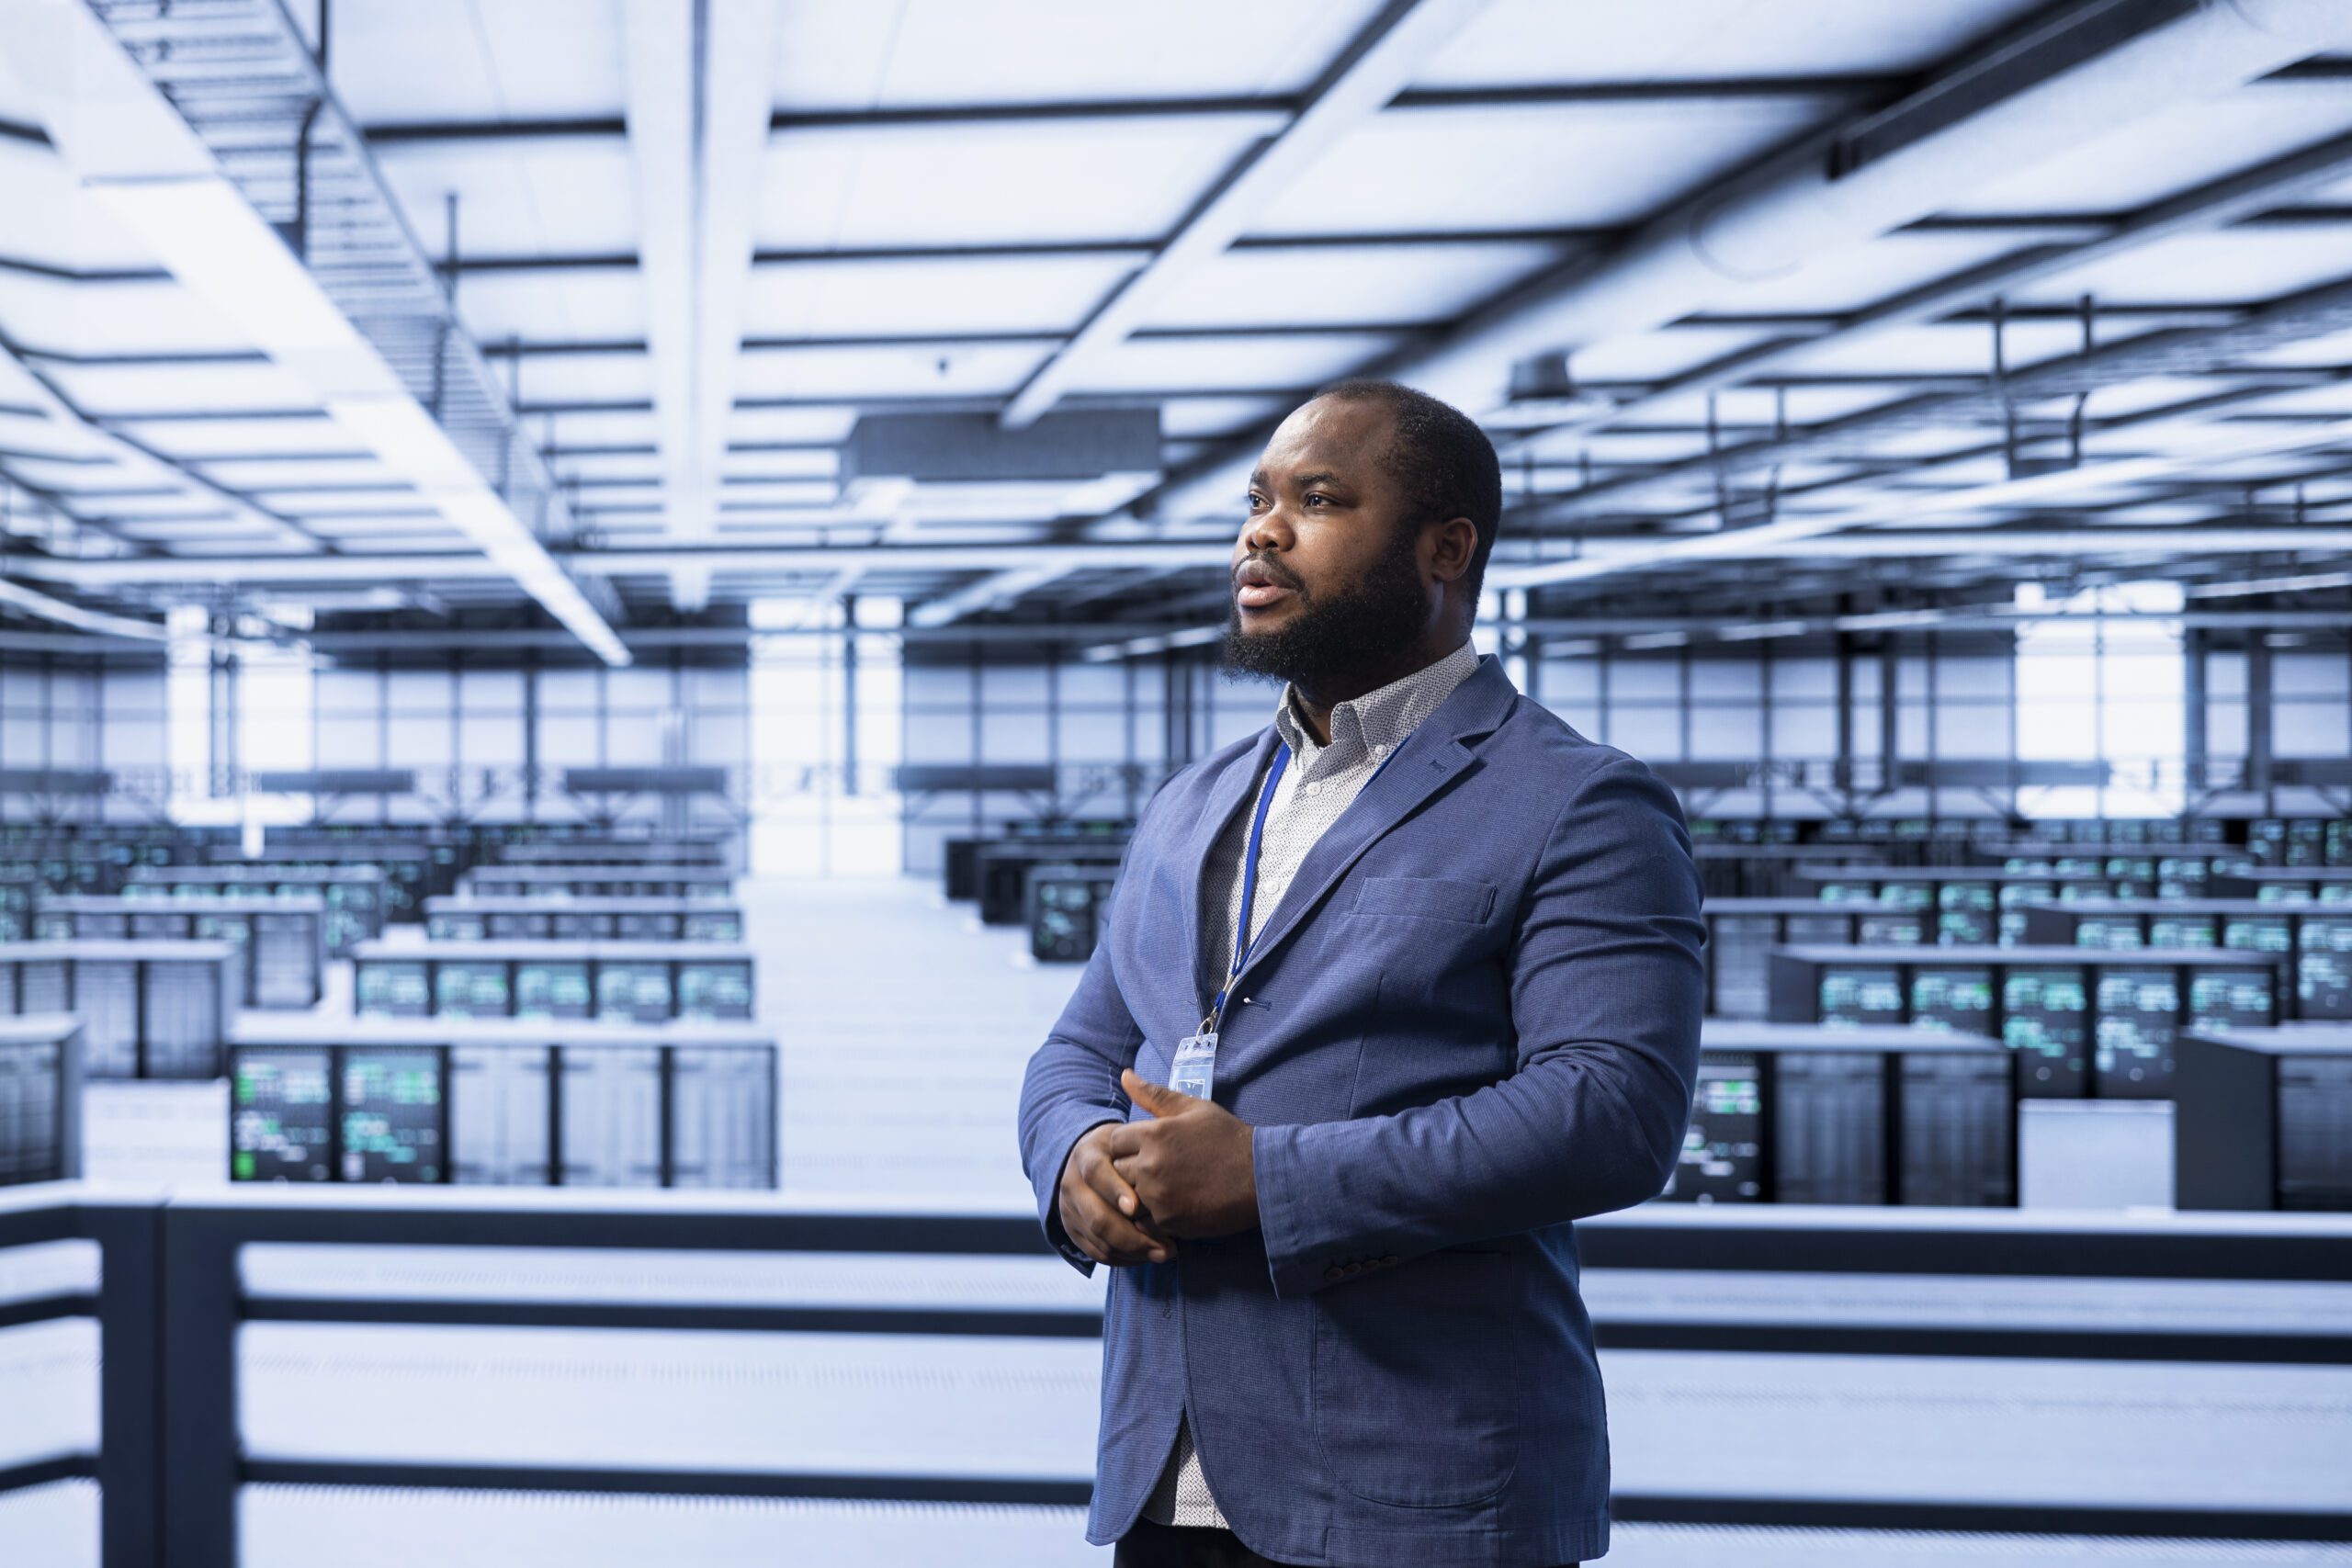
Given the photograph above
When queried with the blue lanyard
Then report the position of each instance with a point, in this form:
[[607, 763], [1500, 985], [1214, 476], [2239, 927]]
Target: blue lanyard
[[1243, 940]]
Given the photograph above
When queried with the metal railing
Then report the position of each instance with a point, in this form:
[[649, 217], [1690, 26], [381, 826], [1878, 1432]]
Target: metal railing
[[1996, 1289]]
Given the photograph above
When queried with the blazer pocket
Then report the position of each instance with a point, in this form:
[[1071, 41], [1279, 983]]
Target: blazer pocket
[[1416, 1380], [1425, 899]]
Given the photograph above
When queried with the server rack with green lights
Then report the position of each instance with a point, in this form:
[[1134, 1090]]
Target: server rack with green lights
[[148, 1009], [505, 1102], [354, 894], [702, 882], [283, 940], [2083, 1023], [1742, 933], [40, 1098], [585, 920], [2264, 1118], [1067, 904], [1807, 1113], [706, 852], [644, 982], [2317, 938], [1982, 904]]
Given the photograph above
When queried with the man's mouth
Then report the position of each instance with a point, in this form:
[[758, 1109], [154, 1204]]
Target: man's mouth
[[1257, 585]]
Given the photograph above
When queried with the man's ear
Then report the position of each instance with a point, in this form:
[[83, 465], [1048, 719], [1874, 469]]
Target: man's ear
[[1453, 545]]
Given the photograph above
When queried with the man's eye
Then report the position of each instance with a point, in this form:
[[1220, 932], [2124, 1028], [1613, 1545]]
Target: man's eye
[[1257, 502], [1316, 498]]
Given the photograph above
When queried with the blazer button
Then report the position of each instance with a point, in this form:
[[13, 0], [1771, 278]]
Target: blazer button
[[1334, 1272], [1389, 1262]]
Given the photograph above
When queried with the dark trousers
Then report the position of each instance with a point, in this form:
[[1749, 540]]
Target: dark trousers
[[1173, 1546]]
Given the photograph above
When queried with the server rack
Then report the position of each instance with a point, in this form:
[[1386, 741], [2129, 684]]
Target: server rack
[[408, 865], [598, 881], [624, 919], [2264, 1119], [1811, 1114], [1003, 870], [1982, 904], [354, 894], [1067, 904], [148, 1009], [642, 982], [2317, 936], [40, 1098], [2084, 1024], [1742, 933], [708, 851], [508, 1102], [282, 940]]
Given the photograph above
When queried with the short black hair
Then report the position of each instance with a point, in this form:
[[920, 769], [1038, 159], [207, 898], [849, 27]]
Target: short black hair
[[1445, 461]]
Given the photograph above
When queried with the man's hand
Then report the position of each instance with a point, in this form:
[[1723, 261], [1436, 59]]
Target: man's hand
[[1190, 1167], [1100, 1212]]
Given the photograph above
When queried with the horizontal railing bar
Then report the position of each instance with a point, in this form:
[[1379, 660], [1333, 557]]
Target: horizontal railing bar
[[665, 1316], [1985, 1519], [1072, 1493]]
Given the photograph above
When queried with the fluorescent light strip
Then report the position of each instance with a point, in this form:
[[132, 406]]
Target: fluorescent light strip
[[137, 156], [1141, 646], [2307, 580]]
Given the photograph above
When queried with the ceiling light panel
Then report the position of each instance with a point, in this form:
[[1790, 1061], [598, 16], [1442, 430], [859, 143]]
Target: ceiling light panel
[[1562, 165], [1312, 286], [984, 182], [517, 197], [2233, 266], [1639, 40], [944, 51], [862, 297], [2153, 157], [1281, 363]]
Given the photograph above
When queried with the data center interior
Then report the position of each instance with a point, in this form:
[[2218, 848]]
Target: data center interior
[[591, 592]]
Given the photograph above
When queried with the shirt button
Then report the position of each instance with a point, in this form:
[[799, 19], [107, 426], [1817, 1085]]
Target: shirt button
[[1314, 789]]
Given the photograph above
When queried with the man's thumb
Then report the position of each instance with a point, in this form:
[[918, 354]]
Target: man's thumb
[[1155, 1098]]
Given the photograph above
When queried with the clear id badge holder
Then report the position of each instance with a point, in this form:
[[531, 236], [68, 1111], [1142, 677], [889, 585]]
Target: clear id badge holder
[[1194, 1072]]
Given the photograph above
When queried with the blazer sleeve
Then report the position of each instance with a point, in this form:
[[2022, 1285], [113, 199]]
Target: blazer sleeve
[[1072, 1083], [1606, 998]]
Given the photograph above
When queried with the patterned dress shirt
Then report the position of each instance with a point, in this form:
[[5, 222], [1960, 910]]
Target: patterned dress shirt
[[1320, 784]]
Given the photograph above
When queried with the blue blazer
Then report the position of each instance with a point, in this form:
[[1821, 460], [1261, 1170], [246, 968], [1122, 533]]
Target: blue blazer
[[1472, 1021]]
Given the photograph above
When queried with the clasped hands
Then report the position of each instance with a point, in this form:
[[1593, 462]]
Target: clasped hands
[[1129, 1189]]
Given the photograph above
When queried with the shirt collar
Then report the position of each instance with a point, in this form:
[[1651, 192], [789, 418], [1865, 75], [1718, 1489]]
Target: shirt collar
[[1379, 721]]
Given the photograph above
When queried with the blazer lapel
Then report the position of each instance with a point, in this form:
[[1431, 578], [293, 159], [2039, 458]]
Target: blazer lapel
[[1226, 793], [1431, 758]]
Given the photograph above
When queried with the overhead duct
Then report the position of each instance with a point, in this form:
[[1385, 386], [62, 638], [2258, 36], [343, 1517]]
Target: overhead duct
[[964, 448], [2096, 67]]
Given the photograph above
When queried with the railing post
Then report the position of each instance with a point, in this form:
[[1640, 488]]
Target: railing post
[[130, 1356], [200, 1462]]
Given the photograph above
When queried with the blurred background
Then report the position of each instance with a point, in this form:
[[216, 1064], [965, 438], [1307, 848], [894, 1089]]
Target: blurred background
[[590, 590]]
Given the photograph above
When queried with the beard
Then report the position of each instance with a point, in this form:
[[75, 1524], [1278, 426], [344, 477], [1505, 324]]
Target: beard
[[1337, 638]]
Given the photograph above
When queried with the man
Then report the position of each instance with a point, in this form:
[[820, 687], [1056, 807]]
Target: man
[[1428, 962]]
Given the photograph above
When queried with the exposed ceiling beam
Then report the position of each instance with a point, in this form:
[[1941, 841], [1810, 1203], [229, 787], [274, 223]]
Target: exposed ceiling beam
[[700, 82], [1375, 67], [995, 588], [1515, 566], [2065, 78]]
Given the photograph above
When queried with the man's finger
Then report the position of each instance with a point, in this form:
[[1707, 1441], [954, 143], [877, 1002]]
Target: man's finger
[[1095, 1169], [1117, 1235], [1155, 1098]]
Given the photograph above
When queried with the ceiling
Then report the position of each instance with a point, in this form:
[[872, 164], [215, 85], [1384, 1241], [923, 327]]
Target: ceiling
[[1863, 305]]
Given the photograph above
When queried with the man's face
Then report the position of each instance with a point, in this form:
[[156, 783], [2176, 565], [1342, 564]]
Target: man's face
[[1327, 575]]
